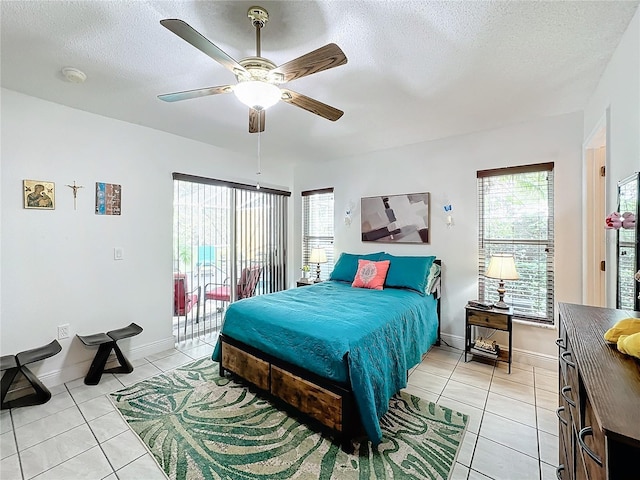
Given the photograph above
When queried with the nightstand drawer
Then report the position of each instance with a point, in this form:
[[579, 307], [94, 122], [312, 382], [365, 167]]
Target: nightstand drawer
[[489, 319]]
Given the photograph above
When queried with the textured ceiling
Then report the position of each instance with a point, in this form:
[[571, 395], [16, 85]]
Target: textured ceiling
[[417, 70]]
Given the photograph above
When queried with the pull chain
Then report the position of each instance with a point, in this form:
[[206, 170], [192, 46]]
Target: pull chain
[[259, 172]]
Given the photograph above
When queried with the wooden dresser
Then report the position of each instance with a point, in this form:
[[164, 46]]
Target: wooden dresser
[[599, 412]]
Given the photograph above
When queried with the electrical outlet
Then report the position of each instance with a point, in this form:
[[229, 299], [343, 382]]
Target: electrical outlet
[[63, 331]]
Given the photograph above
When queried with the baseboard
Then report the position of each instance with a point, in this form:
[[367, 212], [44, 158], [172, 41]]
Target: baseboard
[[80, 369], [454, 341], [152, 348], [526, 357], [535, 359]]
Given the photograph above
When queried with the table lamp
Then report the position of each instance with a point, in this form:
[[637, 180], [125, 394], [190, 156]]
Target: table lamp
[[503, 267], [318, 255]]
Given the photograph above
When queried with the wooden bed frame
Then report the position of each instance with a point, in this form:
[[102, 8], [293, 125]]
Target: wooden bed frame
[[331, 404]]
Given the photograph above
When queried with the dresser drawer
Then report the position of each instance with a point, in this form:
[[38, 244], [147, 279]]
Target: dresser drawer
[[592, 445], [562, 343], [581, 471], [566, 458], [570, 391], [565, 427], [488, 319]]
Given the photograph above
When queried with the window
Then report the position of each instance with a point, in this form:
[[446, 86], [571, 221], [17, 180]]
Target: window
[[317, 228], [516, 217]]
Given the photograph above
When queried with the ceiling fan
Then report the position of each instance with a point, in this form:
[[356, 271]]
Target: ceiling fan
[[258, 77]]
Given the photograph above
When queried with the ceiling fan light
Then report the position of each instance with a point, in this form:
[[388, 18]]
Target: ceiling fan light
[[257, 95]]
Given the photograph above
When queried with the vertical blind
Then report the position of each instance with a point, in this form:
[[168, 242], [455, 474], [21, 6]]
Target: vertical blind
[[219, 229], [317, 228], [516, 217], [261, 232]]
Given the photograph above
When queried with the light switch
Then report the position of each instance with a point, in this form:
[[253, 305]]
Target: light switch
[[118, 253]]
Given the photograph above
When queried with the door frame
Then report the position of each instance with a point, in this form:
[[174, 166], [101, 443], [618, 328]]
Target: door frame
[[595, 154]]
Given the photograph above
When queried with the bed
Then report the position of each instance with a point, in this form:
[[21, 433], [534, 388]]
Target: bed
[[333, 352]]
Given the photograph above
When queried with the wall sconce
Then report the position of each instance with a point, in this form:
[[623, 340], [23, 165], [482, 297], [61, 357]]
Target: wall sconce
[[449, 218], [348, 213], [347, 218]]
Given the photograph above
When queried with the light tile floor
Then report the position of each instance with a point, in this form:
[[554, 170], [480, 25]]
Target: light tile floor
[[512, 431]]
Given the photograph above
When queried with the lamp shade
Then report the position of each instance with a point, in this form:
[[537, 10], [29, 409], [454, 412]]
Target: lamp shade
[[502, 267], [318, 255], [256, 94]]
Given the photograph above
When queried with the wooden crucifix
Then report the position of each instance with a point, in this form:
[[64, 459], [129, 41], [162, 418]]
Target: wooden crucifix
[[75, 188]]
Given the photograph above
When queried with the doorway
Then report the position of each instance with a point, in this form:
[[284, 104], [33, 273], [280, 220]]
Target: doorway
[[595, 156], [229, 243]]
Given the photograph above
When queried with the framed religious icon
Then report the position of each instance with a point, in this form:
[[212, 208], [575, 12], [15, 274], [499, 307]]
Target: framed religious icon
[[39, 194]]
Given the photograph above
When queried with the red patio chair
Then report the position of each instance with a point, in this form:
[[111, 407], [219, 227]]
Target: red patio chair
[[183, 300], [222, 292]]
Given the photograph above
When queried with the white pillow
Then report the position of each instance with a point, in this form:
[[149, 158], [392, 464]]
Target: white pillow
[[432, 278]]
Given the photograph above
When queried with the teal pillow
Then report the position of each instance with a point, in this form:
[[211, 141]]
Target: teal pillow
[[347, 265], [408, 272]]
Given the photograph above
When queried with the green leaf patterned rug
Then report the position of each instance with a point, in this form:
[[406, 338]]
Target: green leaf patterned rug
[[199, 425]]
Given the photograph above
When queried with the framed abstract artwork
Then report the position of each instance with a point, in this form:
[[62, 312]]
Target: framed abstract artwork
[[39, 194], [395, 218], [108, 199]]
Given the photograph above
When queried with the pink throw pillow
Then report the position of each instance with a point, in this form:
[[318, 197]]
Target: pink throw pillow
[[371, 274]]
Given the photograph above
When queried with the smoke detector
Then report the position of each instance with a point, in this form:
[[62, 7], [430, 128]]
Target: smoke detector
[[74, 75]]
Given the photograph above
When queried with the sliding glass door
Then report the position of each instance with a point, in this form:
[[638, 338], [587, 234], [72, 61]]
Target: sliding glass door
[[229, 243]]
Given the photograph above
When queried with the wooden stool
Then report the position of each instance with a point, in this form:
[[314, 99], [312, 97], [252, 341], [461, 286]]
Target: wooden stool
[[12, 364], [107, 342]]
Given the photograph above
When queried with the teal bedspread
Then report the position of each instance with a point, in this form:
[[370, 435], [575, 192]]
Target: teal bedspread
[[367, 337]]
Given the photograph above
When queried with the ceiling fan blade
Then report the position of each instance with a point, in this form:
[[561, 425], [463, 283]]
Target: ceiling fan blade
[[256, 120], [311, 105], [200, 92], [323, 58], [187, 33]]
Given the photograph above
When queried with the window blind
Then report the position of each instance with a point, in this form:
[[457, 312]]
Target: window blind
[[515, 210], [220, 229], [317, 228]]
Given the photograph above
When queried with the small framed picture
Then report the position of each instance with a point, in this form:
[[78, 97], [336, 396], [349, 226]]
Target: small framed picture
[[108, 198], [39, 194]]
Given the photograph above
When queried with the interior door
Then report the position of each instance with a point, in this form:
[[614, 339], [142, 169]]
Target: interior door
[[594, 286]]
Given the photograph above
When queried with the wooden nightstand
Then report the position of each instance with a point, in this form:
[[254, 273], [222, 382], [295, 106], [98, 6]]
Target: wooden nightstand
[[490, 318], [300, 283]]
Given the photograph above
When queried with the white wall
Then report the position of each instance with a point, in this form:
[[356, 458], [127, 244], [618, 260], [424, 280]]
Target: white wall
[[447, 169], [58, 266], [618, 92]]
